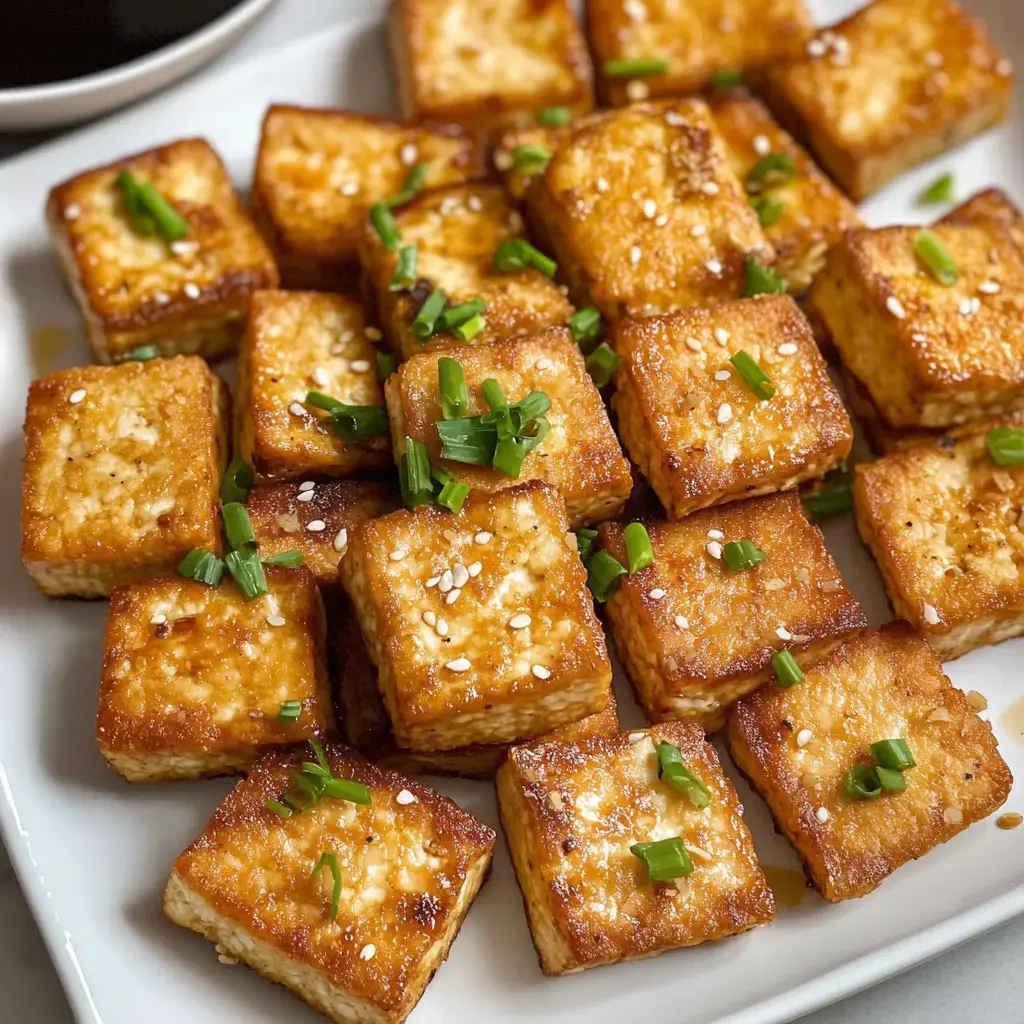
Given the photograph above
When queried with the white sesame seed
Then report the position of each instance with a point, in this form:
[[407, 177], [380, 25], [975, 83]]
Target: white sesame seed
[[1004, 67], [783, 634], [520, 621], [305, 496], [72, 211], [682, 621], [803, 737], [816, 48], [932, 58], [787, 348], [191, 290], [405, 798], [722, 336], [442, 627], [275, 620], [458, 665], [316, 525], [460, 574], [475, 203], [158, 620], [541, 672], [697, 230], [952, 816], [398, 554], [656, 594], [989, 287], [931, 616], [821, 814], [453, 596], [637, 90], [447, 581], [407, 154], [970, 306], [762, 145], [474, 569], [297, 409], [709, 188], [350, 188], [634, 10], [713, 266], [895, 307], [76, 396], [543, 364], [368, 952], [715, 535], [341, 539], [503, 160], [482, 537], [722, 374], [650, 208], [713, 548], [161, 298], [307, 485], [634, 254], [373, 333], [359, 366], [694, 345], [661, 220], [601, 185], [724, 412], [432, 582], [319, 377], [429, 618]]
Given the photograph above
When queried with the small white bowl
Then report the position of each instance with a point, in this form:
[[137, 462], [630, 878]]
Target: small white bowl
[[59, 103]]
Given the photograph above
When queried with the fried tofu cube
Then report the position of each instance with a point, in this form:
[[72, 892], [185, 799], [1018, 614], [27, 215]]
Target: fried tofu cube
[[480, 623], [121, 473], [814, 213], [796, 746], [319, 171], [695, 427], [990, 206], [456, 232], [194, 676], [929, 355], [653, 235], [411, 863], [489, 64], [314, 518], [516, 174], [942, 522], [297, 342], [893, 85], [675, 622], [580, 455], [882, 436], [572, 811], [696, 39], [186, 296]]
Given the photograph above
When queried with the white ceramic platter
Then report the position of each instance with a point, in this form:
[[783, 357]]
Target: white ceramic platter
[[93, 853]]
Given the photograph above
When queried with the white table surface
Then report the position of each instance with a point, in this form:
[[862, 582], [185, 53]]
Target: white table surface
[[978, 982]]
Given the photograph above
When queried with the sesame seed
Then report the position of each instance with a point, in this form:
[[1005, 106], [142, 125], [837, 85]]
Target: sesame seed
[[713, 266], [429, 618], [697, 851], [482, 537], [373, 334], [442, 627], [774, 584], [458, 665], [543, 364], [161, 298], [989, 287], [541, 672], [475, 203], [368, 952], [722, 336], [305, 496], [275, 620], [460, 575], [503, 160], [656, 594], [803, 737], [895, 307], [447, 581], [697, 230], [341, 539], [724, 412], [191, 290], [694, 345], [398, 554], [72, 211], [405, 798], [821, 814], [520, 621], [359, 366], [474, 569], [316, 525], [783, 634], [722, 374], [952, 816], [297, 409], [601, 185], [158, 619], [940, 715], [709, 188], [650, 208], [634, 10], [634, 254], [319, 377], [407, 154], [637, 90], [661, 220], [787, 348], [350, 188], [636, 737], [307, 485], [432, 582], [762, 145], [931, 616], [682, 621], [1004, 67], [714, 549], [76, 396], [976, 700], [816, 48], [453, 596]]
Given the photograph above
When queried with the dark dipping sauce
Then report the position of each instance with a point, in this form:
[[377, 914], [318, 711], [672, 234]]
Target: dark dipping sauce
[[44, 41]]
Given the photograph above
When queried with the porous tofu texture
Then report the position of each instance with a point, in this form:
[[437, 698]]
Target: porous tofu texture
[[456, 232], [571, 812], [487, 63], [929, 355], [796, 745], [121, 473], [990, 206], [815, 214], [314, 517], [411, 864], [697, 38], [297, 342], [515, 652], [319, 171], [893, 85], [580, 456], [696, 429], [695, 635], [643, 212], [942, 521], [194, 676], [188, 296]]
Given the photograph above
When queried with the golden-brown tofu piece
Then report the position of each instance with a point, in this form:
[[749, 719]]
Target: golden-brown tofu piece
[[314, 517], [882, 436], [990, 206], [194, 676], [489, 64], [694, 426], [571, 812], [942, 521], [814, 213], [516, 174], [930, 355], [411, 863], [121, 473], [675, 623], [480, 623], [186, 296], [653, 234], [297, 342], [318, 171], [456, 232], [696, 38], [580, 454], [796, 746], [893, 85]]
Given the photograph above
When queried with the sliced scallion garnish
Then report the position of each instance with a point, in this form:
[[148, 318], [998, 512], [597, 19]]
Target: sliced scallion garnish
[[554, 117], [787, 671], [753, 376], [586, 327], [451, 385], [237, 481], [292, 559], [666, 859], [449, 492], [237, 526], [291, 711], [143, 353], [862, 783], [456, 316], [424, 324], [517, 253], [603, 574], [329, 860], [641, 67], [405, 269], [832, 497], [203, 566], [1006, 446], [414, 475], [726, 78], [761, 280], [602, 363], [279, 808], [935, 256], [773, 169], [383, 221], [893, 754], [639, 552], [470, 329], [414, 182], [677, 775], [768, 209], [147, 209], [891, 779], [741, 555], [351, 422], [247, 570], [942, 190], [530, 159], [386, 363], [586, 543]]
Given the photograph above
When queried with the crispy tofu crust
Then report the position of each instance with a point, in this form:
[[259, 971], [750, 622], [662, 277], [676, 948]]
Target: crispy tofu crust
[[453, 674], [893, 85], [187, 297], [580, 456], [194, 676], [298, 342], [698, 38], [990, 206], [282, 517], [702, 441], [410, 870], [318, 171], [591, 208], [516, 179], [882, 436], [571, 811], [675, 622], [121, 473], [929, 355], [882, 685], [456, 232], [489, 64], [942, 521]]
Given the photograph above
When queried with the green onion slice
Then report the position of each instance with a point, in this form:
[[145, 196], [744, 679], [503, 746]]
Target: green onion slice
[[203, 566], [942, 190], [1006, 446], [470, 329], [237, 526], [753, 376], [603, 574], [641, 67], [935, 256], [292, 559], [862, 783], [493, 394], [517, 253], [279, 808], [346, 789], [456, 316], [247, 569], [468, 440], [143, 353], [149, 212], [666, 859], [768, 209], [329, 860], [832, 497], [761, 280], [351, 422], [787, 671], [290, 712], [586, 327], [530, 159], [639, 552], [586, 542], [414, 475], [386, 363], [893, 754], [383, 221], [452, 495], [602, 363], [672, 770], [554, 117], [405, 269], [510, 452], [741, 555], [891, 779], [727, 78], [425, 322], [236, 482], [451, 384], [318, 751], [773, 169], [413, 185]]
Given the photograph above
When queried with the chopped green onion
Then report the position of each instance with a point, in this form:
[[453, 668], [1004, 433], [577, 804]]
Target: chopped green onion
[[318, 750], [891, 779], [424, 325], [456, 316], [741, 555], [236, 482], [149, 212], [761, 280], [493, 394], [351, 422], [639, 552], [413, 185], [237, 526], [468, 440], [768, 209], [414, 475], [586, 327], [603, 572], [832, 497], [893, 754], [470, 329], [203, 566], [290, 712], [942, 190], [452, 495], [753, 376], [726, 78], [143, 353], [517, 253], [1006, 446], [586, 542], [405, 269], [292, 559], [279, 808], [677, 775], [862, 783], [554, 117], [666, 859], [451, 385], [602, 363], [787, 671], [386, 363], [935, 256], [773, 169], [383, 221], [330, 860], [639, 68], [530, 159], [346, 789], [511, 451], [247, 569], [315, 769], [527, 409]]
